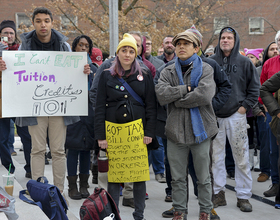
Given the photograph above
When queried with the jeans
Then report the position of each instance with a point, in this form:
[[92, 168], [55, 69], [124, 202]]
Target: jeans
[[11, 136], [139, 193], [156, 158], [73, 156], [268, 149], [26, 142], [6, 158]]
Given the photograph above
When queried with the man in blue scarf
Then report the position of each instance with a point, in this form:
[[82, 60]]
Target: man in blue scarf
[[187, 87]]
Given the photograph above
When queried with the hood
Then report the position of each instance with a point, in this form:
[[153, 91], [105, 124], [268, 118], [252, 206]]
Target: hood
[[235, 51], [265, 53], [27, 35]]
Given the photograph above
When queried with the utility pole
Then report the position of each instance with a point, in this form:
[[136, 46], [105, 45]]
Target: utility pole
[[114, 26]]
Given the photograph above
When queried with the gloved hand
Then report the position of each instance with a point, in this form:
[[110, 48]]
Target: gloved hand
[[2, 47]]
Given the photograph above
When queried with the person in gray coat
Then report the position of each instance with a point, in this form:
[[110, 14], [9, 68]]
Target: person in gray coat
[[187, 87]]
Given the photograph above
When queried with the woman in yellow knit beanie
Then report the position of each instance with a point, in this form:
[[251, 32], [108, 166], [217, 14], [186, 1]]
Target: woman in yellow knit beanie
[[116, 103]]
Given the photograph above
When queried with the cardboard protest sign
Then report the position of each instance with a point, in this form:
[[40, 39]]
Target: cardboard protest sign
[[128, 155], [44, 83]]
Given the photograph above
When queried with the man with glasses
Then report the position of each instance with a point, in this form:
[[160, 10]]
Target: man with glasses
[[154, 60], [232, 120]]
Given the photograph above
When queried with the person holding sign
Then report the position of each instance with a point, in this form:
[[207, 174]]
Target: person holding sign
[[126, 93], [187, 87], [80, 135], [44, 38]]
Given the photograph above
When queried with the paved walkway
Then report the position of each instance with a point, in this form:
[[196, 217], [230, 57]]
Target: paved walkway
[[156, 205]]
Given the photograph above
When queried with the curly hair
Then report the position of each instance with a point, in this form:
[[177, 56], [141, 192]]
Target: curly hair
[[77, 39]]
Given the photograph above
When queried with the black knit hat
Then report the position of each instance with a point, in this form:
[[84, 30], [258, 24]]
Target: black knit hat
[[7, 23]]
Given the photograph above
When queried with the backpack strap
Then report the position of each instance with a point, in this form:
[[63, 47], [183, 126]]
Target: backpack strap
[[53, 203], [131, 91], [23, 198]]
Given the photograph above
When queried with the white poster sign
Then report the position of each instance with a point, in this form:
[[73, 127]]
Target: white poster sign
[[44, 83]]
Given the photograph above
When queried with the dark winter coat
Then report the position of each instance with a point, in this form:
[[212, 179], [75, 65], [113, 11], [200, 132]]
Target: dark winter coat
[[269, 87], [117, 106], [80, 135], [104, 66]]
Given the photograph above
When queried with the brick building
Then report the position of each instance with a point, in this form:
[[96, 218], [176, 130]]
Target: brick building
[[255, 20]]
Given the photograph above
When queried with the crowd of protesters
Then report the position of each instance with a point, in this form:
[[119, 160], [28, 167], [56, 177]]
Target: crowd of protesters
[[215, 106]]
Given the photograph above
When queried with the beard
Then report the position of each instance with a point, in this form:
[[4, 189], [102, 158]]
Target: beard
[[169, 50]]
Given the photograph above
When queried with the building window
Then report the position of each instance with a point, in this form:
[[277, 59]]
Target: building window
[[66, 24], [256, 25], [23, 22], [219, 24]]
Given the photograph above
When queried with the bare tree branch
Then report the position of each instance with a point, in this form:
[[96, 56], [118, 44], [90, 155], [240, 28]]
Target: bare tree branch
[[120, 5], [104, 5], [153, 13], [130, 7], [89, 18], [72, 22], [270, 25]]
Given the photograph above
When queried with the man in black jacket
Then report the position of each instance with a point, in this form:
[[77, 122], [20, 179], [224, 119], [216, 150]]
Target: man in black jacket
[[232, 120]]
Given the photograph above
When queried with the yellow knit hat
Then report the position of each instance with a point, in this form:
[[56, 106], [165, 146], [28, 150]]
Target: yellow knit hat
[[128, 40]]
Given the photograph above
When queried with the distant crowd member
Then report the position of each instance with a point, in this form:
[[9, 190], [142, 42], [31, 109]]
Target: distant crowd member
[[269, 87], [232, 120], [265, 133], [160, 51], [8, 30], [269, 52], [156, 157], [270, 67], [80, 135], [168, 48], [96, 56], [209, 51], [154, 60], [253, 55], [47, 39], [187, 87]]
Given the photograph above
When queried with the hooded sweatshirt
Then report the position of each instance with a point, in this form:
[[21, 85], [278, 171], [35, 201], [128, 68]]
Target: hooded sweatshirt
[[243, 77], [265, 58]]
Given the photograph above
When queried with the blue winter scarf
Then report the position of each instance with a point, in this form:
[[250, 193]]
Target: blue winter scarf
[[197, 123]]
